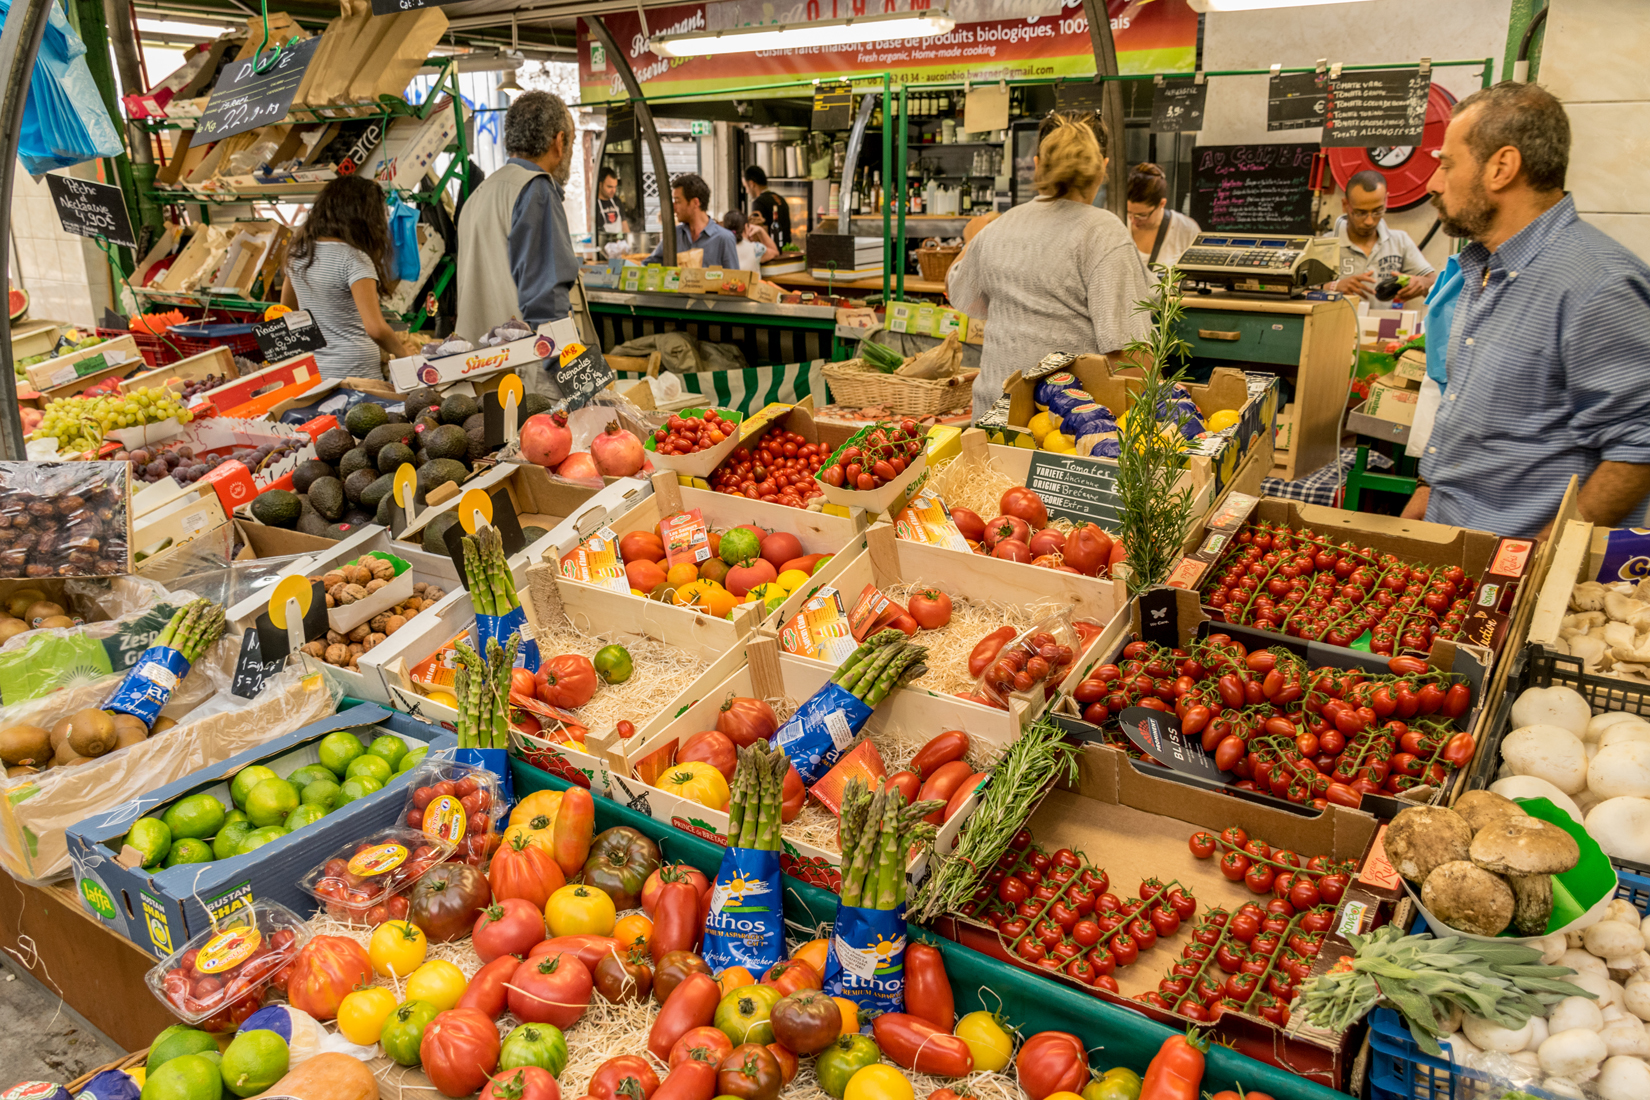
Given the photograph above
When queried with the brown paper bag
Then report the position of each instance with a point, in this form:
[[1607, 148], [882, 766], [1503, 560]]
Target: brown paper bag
[[332, 81], [327, 52], [398, 54]]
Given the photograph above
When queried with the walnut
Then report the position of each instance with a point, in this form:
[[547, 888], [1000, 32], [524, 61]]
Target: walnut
[[357, 574], [336, 654], [433, 594], [330, 601], [381, 569], [315, 649], [373, 639], [334, 638], [332, 579], [375, 584], [420, 588], [378, 622], [394, 623], [413, 604], [359, 633], [355, 650], [350, 593]]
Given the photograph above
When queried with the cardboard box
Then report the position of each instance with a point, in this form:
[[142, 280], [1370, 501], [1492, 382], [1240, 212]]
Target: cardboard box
[[246, 391], [232, 481], [757, 669], [166, 531], [413, 371], [88, 365], [412, 146], [161, 909], [926, 319], [1579, 552], [1387, 414], [199, 259], [388, 65], [209, 363]]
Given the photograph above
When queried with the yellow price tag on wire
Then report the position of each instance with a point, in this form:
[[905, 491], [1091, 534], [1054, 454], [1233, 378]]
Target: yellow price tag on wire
[[291, 588], [475, 510]]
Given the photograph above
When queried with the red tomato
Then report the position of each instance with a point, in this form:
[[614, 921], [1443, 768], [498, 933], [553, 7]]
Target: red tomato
[[551, 989], [1202, 845], [526, 1083], [711, 747], [705, 1044], [747, 720], [627, 1077], [509, 927], [324, 972], [946, 747], [931, 608], [567, 681], [1051, 1062], [650, 888], [459, 1051]]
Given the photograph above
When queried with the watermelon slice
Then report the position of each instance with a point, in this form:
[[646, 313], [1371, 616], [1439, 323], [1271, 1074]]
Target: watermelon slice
[[18, 304]]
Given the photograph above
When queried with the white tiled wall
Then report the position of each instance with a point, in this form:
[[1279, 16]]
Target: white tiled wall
[[67, 277]]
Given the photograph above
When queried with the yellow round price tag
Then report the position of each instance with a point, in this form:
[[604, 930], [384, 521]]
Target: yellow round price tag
[[508, 387], [292, 588], [475, 510], [406, 484]]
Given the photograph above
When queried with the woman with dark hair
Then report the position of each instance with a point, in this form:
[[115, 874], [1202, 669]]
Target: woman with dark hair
[[1160, 234], [335, 270]]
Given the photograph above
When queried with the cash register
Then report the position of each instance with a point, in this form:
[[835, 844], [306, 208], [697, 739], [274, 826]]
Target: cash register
[[1272, 266]]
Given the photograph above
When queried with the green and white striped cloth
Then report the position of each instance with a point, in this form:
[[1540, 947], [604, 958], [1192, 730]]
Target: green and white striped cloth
[[752, 389]]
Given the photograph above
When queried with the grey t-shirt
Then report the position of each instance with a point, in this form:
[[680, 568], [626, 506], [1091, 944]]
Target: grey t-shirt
[[323, 288], [1048, 276]]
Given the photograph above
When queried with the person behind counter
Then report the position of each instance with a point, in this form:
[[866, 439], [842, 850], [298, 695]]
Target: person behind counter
[[1053, 274], [1548, 371], [1160, 234], [335, 270], [753, 247], [609, 218], [689, 195], [515, 258], [775, 213], [1372, 250]]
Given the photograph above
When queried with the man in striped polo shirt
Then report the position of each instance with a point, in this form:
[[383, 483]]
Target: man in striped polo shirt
[[1549, 352]]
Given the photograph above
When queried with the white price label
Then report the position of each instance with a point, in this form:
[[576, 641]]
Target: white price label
[[861, 964]]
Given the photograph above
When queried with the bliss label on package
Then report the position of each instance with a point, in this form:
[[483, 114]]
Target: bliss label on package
[[865, 961], [746, 926], [821, 730], [150, 684]]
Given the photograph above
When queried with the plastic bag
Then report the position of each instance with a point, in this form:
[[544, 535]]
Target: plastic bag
[[366, 874], [38, 662], [1040, 655], [404, 239], [64, 118], [216, 980], [865, 959], [458, 804], [821, 730], [63, 519], [746, 925]]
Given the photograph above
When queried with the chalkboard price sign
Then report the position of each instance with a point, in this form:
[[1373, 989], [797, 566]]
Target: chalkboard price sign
[[1079, 489], [90, 209], [833, 105], [1253, 188], [244, 99], [290, 334], [1382, 107], [1297, 101], [251, 670], [1177, 106], [581, 375]]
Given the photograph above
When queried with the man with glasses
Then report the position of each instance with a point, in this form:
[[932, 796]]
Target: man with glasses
[[1370, 250]]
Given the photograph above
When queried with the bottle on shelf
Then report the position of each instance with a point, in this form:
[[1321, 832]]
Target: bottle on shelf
[[965, 199]]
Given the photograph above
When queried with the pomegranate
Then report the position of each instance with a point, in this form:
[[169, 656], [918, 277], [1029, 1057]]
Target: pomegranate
[[545, 439], [1006, 527], [617, 452], [579, 466]]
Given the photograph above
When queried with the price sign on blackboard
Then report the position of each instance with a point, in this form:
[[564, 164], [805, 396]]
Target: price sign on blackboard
[[1075, 96], [1075, 488], [1177, 106], [245, 99], [1253, 188], [581, 373], [290, 334], [90, 209], [833, 105], [1297, 101], [251, 670], [1382, 107]]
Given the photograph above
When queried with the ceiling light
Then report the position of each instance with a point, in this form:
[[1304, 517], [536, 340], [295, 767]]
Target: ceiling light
[[833, 32], [510, 87], [1205, 6], [487, 61]]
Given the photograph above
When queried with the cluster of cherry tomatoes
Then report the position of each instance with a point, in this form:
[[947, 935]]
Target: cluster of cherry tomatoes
[[1301, 584], [1040, 658], [1303, 883], [881, 454], [227, 995], [683, 435], [1251, 961], [779, 469], [471, 796], [1308, 735], [370, 885], [1056, 914]]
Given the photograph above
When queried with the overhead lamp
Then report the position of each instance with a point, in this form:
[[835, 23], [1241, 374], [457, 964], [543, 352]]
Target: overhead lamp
[[510, 86], [1203, 7], [488, 61], [831, 32]]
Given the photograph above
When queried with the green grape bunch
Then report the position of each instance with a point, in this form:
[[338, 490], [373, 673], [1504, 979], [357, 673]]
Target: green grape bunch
[[81, 423]]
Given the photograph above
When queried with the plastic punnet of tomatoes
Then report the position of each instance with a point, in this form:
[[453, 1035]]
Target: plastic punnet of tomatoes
[[874, 456], [458, 804], [358, 883], [1041, 655], [217, 979], [1281, 727], [778, 468], [1307, 585]]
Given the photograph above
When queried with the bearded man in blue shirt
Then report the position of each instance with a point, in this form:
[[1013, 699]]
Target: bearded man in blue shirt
[[1549, 350]]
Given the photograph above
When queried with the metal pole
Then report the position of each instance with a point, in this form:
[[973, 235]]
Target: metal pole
[[19, 44], [644, 120], [887, 163], [1111, 105], [904, 146], [139, 147]]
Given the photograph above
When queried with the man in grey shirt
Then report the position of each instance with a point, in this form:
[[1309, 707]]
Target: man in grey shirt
[[1370, 250], [695, 228]]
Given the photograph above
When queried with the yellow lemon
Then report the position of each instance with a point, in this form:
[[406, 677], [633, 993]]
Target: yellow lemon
[[1026, 440], [790, 578], [1221, 420], [446, 699], [1041, 425], [1059, 442]]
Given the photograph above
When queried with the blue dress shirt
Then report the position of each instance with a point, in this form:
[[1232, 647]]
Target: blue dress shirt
[[721, 250], [541, 250]]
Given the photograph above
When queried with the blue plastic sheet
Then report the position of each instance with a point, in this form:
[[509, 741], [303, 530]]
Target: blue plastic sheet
[[64, 119]]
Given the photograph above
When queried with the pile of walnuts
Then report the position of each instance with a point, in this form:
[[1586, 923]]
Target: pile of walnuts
[[356, 581], [344, 650]]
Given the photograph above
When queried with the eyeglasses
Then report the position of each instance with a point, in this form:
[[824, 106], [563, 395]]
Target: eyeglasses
[[1367, 215], [1141, 215]]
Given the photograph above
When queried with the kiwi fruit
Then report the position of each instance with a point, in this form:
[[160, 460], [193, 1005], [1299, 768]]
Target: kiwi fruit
[[161, 725], [60, 733], [124, 722], [19, 601], [25, 745], [56, 622], [65, 755], [91, 732], [129, 735], [42, 609], [11, 628], [15, 770]]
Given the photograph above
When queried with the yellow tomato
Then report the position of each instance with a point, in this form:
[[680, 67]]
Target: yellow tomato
[[698, 782], [987, 1039], [766, 591], [397, 948], [361, 1014], [633, 929], [580, 910], [537, 830], [879, 1082], [813, 953], [1062, 1095], [693, 593], [446, 699], [439, 982], [547, 803], [682, 573], [1028, 442], [850, 1014], [735, 977], [790, 579]]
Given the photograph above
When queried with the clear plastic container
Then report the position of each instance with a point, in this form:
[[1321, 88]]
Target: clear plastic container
[[458, 803], [372, 872], [1041, 655], [217, 979]]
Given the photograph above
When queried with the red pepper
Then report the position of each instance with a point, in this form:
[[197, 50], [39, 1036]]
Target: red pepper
[[927, 989]]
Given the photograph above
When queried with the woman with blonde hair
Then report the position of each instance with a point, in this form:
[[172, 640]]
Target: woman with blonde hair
[[1053, 274]]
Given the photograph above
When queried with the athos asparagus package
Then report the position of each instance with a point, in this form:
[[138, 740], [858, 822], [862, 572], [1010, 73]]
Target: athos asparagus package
[[481, 682], [746, 925], [161, 668], [825, 725], [499, 614]]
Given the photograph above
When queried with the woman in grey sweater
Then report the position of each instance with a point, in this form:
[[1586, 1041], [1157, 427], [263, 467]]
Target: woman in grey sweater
[[1053, 274]]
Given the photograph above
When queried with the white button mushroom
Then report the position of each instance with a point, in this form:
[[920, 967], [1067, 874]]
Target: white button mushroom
[[1622, 827], [1636, 999], [1611, 939], [1574, 1012], [1624, 1078], [1528, 786], [1547, 752], [1621, 770], [1598, 723], [1538, 1033], [1596, 984], [1488, 1035], [1582, 962], [1552, 947], [1626, 1036], [1556, 706], [1623, 732], [1575, 1053]]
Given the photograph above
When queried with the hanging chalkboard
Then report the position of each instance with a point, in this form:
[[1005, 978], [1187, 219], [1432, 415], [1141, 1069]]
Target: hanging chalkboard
[[90, 209], [1253, 188], [287, 335], [833, 105], [581, 375], [244, 99], [1079, 489], [1177, 106], [1381, 107], [1297, 101], [1078, 96]]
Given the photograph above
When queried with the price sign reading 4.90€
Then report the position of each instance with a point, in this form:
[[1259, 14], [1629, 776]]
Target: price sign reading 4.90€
[[245, 99]]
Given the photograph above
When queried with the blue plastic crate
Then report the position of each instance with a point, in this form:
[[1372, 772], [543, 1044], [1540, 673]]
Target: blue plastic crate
[[1401, 1070]]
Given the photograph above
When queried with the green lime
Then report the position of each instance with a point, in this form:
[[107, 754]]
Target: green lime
[[245, 780], [257, 838], [150, 836], [197, 816], [254, 1061], [189, 850], [322, 793], [231, 817], [310, 773], [186, 1077], [228, 841], [271, 802], [389, 748], [613, 664], [337, 749], [213, 1057], [175, 1041], [413, 759], [307, 814], [375, 766], [358, 786]]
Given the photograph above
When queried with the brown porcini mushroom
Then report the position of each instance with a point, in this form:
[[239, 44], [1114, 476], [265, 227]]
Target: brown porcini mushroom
[[1528, 852], [1468, 898], [1422, 837]]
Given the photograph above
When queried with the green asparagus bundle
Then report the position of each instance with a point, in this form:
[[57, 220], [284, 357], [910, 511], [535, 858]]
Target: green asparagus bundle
[[877, 833], [483, 691], [486, 574], [883, 662], [756, 798], [194, 628]]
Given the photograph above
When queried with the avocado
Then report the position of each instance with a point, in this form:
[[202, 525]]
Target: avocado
[[378, 490], [425, 422], [447, 441], [385, 434], [308, 471], [533, 404], [327, 496], [533, 534], [435, 532], [356, 517], [424, 397], [276, 508], [383, 518], [355, 459], [312, 523], [392, 456], [458, 408], [334, 444], [479, 420], [438, 471], [478, 444], [356, 484], [363, 418], [396, 416], [343, 529]]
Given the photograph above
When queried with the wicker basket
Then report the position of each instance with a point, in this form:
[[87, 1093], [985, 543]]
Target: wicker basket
[[857, 384], [136, 1058], [933, 260]]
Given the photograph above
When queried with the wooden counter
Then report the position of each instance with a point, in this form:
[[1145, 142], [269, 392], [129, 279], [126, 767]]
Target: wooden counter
[[803, 281]]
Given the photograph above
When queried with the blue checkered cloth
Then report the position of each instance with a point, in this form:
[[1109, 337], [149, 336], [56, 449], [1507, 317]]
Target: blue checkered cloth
[[1549, 374], [1323, 485]]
